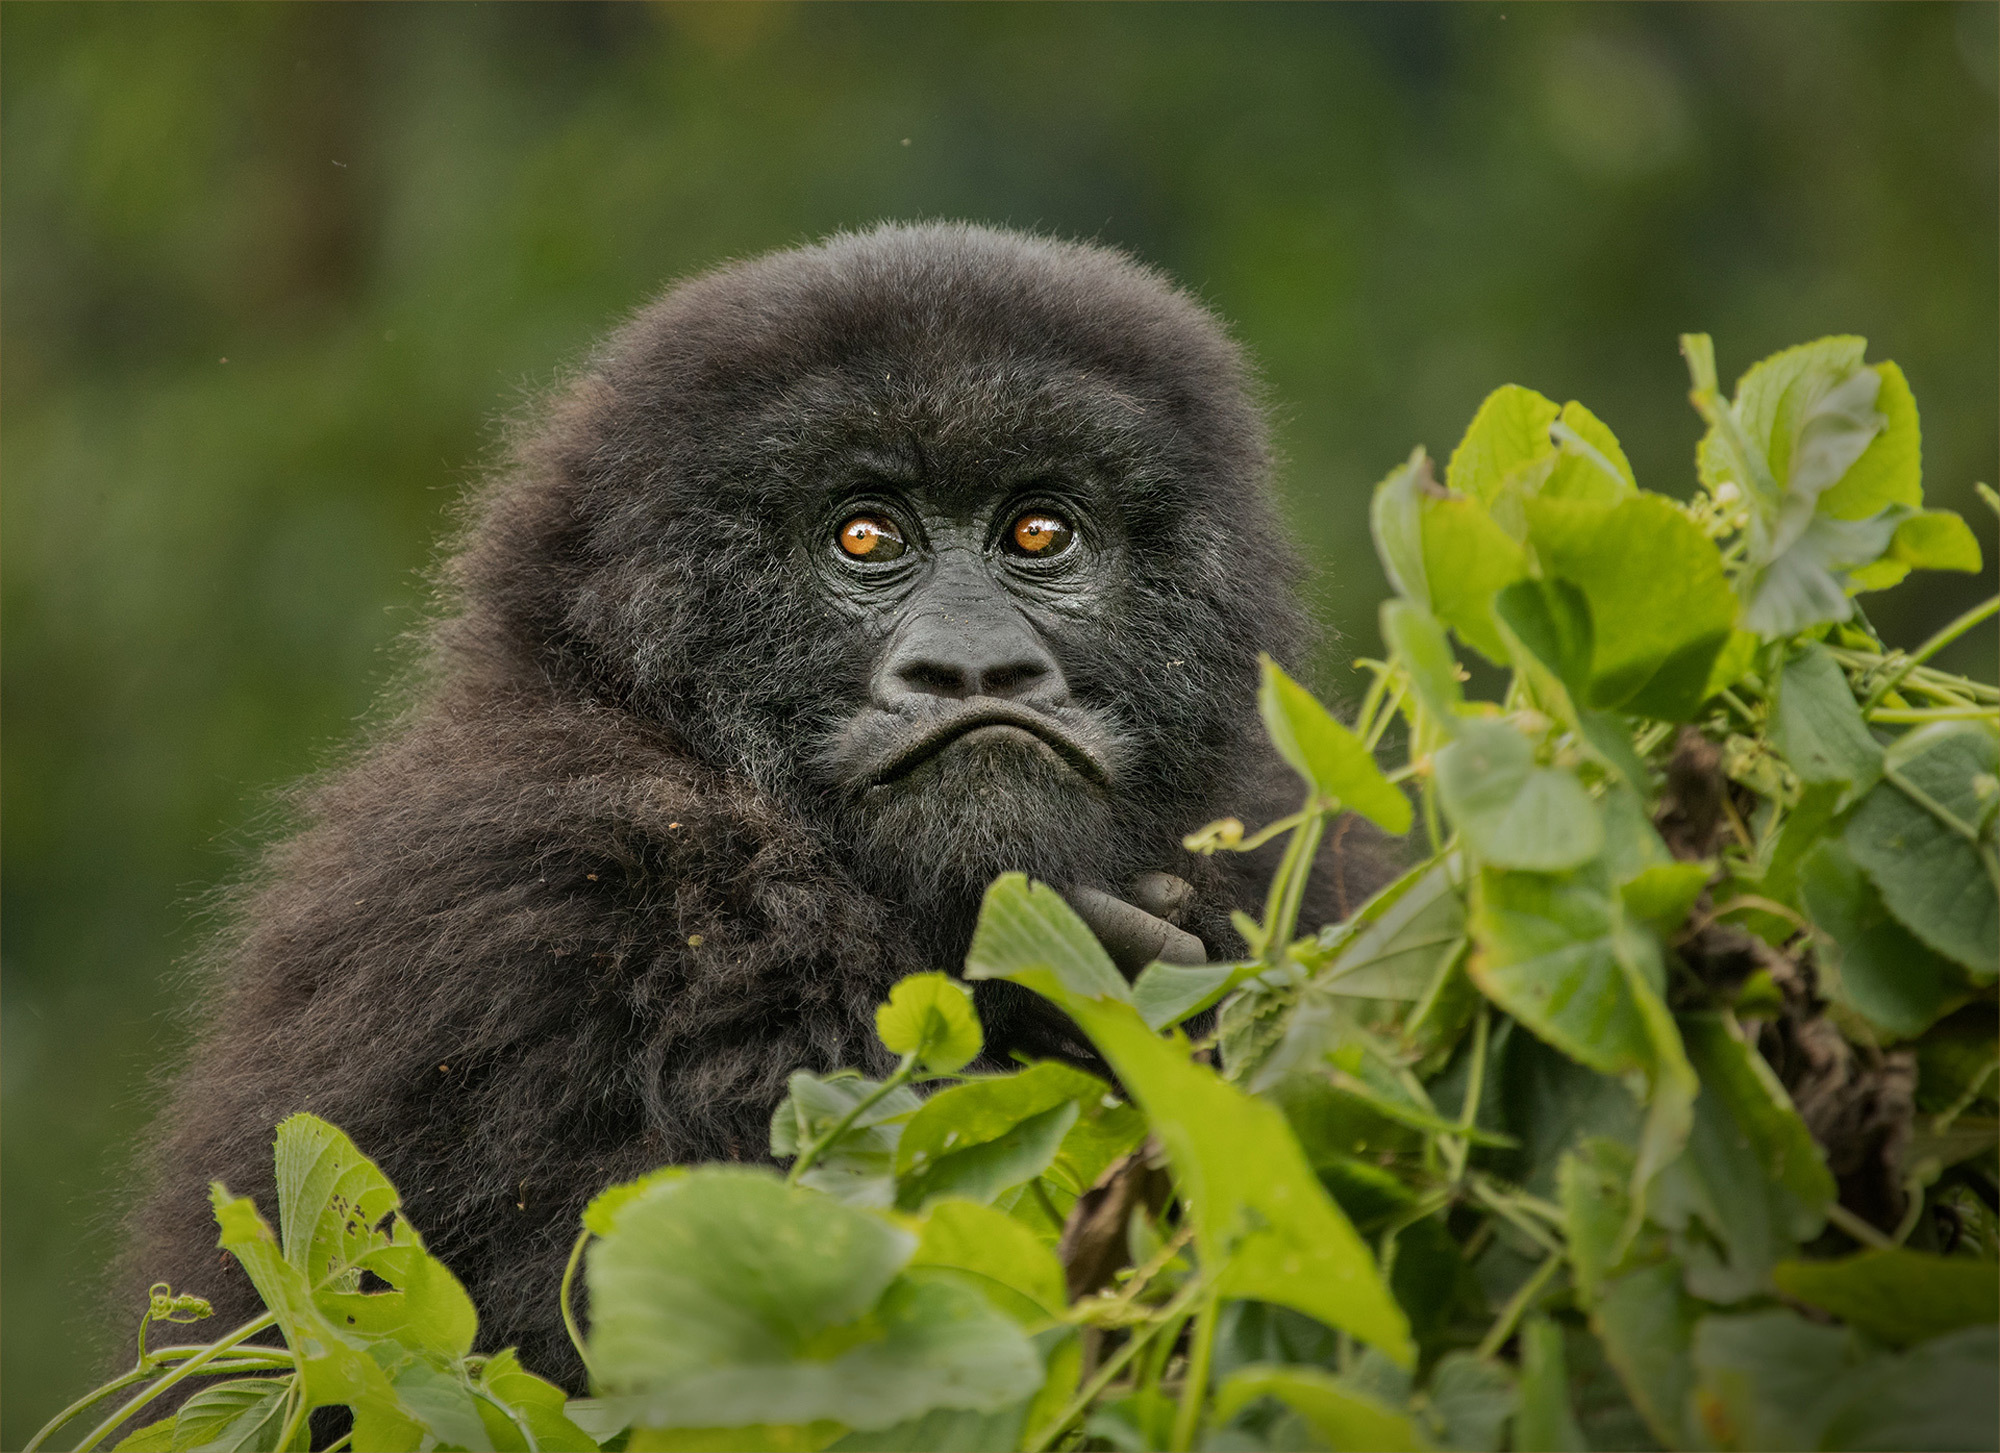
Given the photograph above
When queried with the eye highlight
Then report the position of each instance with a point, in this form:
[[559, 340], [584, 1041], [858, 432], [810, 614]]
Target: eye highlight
[[870, 538], [1039, 535]]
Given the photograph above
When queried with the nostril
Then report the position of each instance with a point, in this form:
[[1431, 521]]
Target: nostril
[[1014, 678], [934, 678]]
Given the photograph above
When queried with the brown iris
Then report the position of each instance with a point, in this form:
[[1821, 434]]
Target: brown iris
[[870, 537], [1041, 534]]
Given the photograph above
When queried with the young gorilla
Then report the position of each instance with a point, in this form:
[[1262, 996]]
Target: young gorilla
[[844, 580]]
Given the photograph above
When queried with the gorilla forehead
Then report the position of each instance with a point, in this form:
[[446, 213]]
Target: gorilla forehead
[[964, 353]]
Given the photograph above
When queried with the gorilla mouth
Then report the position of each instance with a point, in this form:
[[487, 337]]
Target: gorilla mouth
[[984, 716]]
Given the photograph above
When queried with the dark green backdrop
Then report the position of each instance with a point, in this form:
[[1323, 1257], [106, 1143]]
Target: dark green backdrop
[[272, 274]]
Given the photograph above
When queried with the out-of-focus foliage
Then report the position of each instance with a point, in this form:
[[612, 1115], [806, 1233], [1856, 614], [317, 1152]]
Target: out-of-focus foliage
[[395, 223]]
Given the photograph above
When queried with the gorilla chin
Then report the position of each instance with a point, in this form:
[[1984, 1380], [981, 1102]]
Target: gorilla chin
[[985, 786]]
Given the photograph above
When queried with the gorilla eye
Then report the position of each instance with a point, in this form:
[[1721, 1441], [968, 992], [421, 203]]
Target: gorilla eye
[[870, 537], [1039, 535]]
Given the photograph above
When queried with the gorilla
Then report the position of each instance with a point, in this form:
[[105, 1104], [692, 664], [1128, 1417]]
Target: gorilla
[[837, 583]]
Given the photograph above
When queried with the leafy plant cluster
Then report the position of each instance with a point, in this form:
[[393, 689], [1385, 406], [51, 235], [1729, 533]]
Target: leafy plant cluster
[[1655, 1106]]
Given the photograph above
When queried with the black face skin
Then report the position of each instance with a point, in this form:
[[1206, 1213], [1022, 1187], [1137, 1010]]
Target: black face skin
[[839, 582]]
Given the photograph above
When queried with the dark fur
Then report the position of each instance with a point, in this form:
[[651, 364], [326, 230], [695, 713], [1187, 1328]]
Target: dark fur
[[587, 904]]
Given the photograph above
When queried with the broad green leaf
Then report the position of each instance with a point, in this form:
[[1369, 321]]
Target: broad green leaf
[[334, 1368], [1940, 1394], [1334, 762], [982, 1110], [1817, 724], [747, 1438], [1513, 813], [1506, 450], [1256, 1202], [602, 1212], [1105, 1131], [1917, 835], [860, 1167], [1592, 467], [1662, 895], [1028, 934], [1769, 1380], [944, 1430], [1890, 470], [152, 1438], [1166, 994], [234, 1417], [728, 1298], [1896, 1294], [1467, 557], [1392, 947], [1738, 654], [981, 1172], [441, 1401], [1544, 1422], [1002, 1257], [1661, 607], [1469, 1400], [1867, 960], [1414, 635], [1936, 540], [931, 1016], [1751, 1174], [1340, 1416], [1806, 584], [1826, 422], [1395, 517], [531, 1401], [340, 1217], [1551, 619]]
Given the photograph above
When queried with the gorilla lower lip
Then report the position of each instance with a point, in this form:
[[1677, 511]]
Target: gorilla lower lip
[[996, 719]]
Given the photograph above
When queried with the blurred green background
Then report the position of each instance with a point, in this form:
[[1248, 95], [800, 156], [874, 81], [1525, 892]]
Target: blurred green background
[[273, 274]]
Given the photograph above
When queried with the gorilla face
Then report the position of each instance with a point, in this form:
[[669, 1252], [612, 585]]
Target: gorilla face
[[955, 542]]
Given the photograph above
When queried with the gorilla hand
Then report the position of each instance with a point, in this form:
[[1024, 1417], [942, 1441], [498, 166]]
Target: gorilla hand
[[1136, 935]]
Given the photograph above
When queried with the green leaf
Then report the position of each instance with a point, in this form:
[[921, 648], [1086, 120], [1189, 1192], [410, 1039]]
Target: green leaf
[[1414, 635], [1917, 835], [728, 1298], [1938, 1395], [1256, 1203], [944, 1430], [152, 1438], [1334, 762], [1751, 1173], [340, 1218], [1646, 1324], [1817, 724], [334, 1367], [1867, 960], [601, 1215], [1592, 467], [1341, 1417], [1806, 584], [1028, 934], [1662, 895], [1657, 631], [1469, 1401], [1769, 1380], [1544, 1422], [931, 1017], [1395, 517], [538, 1404], [1551, 619], [1506, 452], [1513, 813], [234, 1417], [860, 1167], [1391, 948], [1936, 540], [1166, 994], [746, 1438], [1000, 1256], [1890, 470], [1467, 557], [1896, 1294], [983, 1171], [981, 1111]]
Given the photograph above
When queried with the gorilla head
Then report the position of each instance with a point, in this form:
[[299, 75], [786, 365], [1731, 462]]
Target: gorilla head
[[839, 582], [956, 540]]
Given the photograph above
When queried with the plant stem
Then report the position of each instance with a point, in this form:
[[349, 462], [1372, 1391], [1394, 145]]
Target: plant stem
[[1195, 1385], [1912, 715], [1459, 1148], [867, 1102], [567, 1293], [186, 1370], [297, 1417], [1949, 633], [1854, 1226], [1113, 1365], [1496, 1337]]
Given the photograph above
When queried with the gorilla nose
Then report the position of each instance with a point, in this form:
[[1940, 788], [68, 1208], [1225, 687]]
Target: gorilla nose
[[959, 658]]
